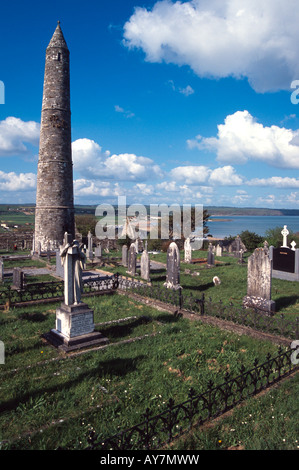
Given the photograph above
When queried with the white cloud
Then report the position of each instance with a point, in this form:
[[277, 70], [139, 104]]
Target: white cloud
[[187, 91], [84, 187], [17, 182], [275, 181], [121, 110], [92, 163], [15, 134], [241, 138], [198, 175], [257, 39]]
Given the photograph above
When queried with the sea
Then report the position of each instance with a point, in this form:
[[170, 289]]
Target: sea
[[224, 226]]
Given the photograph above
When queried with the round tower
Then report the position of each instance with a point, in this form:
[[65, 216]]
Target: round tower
[[54, 213]]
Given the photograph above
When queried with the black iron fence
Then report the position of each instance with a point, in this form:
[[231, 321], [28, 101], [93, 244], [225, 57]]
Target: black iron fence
[[156, 431], [53, 290], [281, 325]]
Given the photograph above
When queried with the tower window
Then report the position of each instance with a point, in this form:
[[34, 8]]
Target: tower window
[[59, 56]]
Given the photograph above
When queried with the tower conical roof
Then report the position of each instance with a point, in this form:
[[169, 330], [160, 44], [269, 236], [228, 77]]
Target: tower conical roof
[[58, 38]]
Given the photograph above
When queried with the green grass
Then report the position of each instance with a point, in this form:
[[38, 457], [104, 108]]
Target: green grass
[[111, 388], [233, 285]]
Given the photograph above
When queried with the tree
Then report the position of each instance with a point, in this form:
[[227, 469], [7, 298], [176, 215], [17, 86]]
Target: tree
[[251, 240]]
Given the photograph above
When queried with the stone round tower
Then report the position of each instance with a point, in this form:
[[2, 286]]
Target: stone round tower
[[54, 213]]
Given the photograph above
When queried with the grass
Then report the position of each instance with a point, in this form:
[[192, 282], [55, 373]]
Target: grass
[[48, 400], [233, 285]]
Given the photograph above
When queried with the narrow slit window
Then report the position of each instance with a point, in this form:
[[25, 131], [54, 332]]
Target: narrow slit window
[[59, 56]]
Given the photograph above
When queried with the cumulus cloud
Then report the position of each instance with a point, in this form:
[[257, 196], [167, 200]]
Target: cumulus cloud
[[198, 175], [92, 163], [242, 138], [257, 39], [15, 134], [17, 182], [275, 181]]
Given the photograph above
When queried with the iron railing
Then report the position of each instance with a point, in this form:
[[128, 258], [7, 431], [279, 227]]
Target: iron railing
[[156, 431]]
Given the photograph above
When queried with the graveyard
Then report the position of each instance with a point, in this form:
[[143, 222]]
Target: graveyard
[[161, 346], [108, 346]]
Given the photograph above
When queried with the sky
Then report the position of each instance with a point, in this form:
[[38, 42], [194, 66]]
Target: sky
[[188, 102]]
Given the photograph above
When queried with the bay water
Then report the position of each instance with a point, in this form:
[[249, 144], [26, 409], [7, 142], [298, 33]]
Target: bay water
[[224, 226]]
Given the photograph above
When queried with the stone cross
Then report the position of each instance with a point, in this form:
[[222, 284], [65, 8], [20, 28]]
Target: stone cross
[[293, 244], [73, 261], [285, 234]]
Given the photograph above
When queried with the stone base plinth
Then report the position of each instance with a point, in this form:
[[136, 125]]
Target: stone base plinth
[[75, 328], [267, 306]]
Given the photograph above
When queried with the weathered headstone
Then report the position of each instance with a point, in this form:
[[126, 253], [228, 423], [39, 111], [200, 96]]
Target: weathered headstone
[[187, 251], [241, 257], [59, 266], [18, 278], [33, 245], [259, 281], [90, 246], [145, 266], [98, 251], [124, 253], [132, 257], [1, 270], [173, 267], [74, 319], [219, 250], [211, 256]]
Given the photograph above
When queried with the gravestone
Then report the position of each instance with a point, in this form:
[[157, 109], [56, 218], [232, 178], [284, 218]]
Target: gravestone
[[211, 256], [1, 270], [259, 281], [98, 251], [285, 234], [59, 267], [132, 257], [39, 249], [124, 254], [89, 246], [17, 279], [74, 319], [33, 245], [219, 250], [173, 267], [241, 257], [285, 263], [187, 251], [145, 266]]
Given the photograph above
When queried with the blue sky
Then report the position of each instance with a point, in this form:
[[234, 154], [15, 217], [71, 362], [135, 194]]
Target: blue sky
[[172, 102]]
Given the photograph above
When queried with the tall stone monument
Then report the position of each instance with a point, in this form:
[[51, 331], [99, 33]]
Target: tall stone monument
[[54, 213], [259, 281], [74, 319], [173, 267]]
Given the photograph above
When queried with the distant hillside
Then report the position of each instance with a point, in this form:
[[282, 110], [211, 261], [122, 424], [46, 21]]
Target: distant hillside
[[229, 211]]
